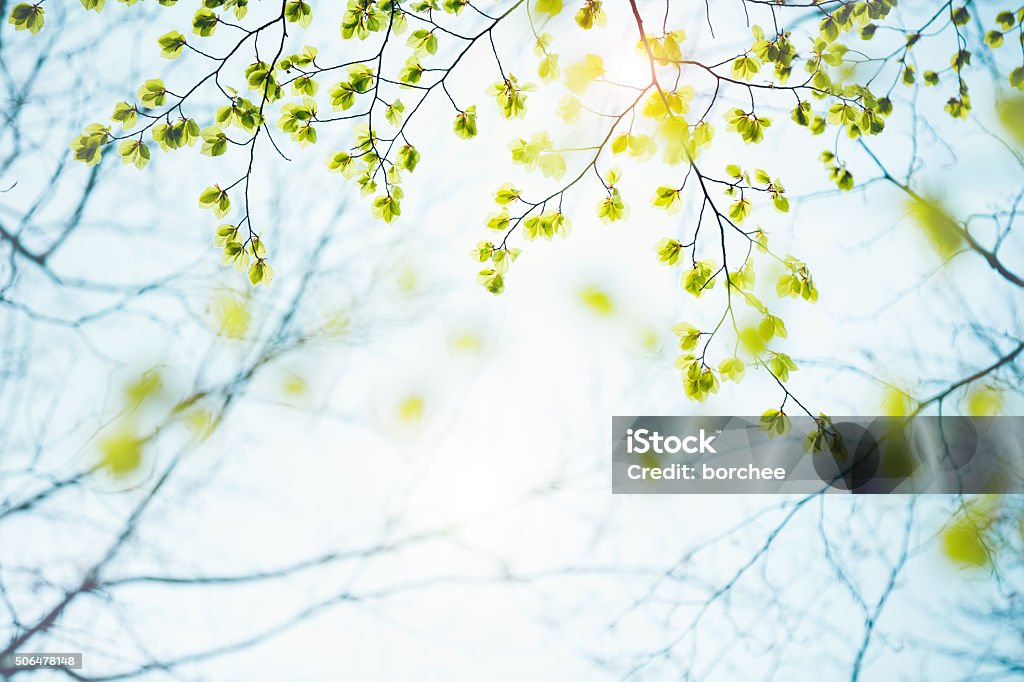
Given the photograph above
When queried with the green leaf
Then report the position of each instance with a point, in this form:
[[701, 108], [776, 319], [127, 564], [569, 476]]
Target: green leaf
[[305, 85], [552, 165], [506, 194], [408, 158], [612, 208], [215, 199], [941, 230], [181, 133], [549, 7], [548, 68], [234, 254], [590, 14], [27, 17], [781, 203], [88, 146], [669, 251], [412, 72], [667, 198], [1017, 78], [959, 60], [423, 41], [749, 126], [126, 114], [491, 280], [698, 383], [703, 133], [297, 120], [171, 45], [739, 210], [342, 162], [483, 251], [660, 104], [502, 259], [597, 300], [1006, 20], [509, 95], [843, 178], [215, 142], [689, 336], [1010, 110], [770, 327], [498, 221], [152, 93], [256, 247], [394, 112], [362, 19], [700, 279], [829, 29], [387, 207], [580, 75], [801, 114], [260, 272], [732, 369], [121, 452], [225, 234], [240, 112], [204, 23], [343, 96], [360, 78], [533, 227], [134, 152], [569, 110], [968, 540], [775, 423], [781, 365], [546, 225], [465, 123], [298, 12], [745, 68]]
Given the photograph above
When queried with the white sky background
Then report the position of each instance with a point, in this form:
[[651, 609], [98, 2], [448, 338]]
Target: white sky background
[[513, 453]]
